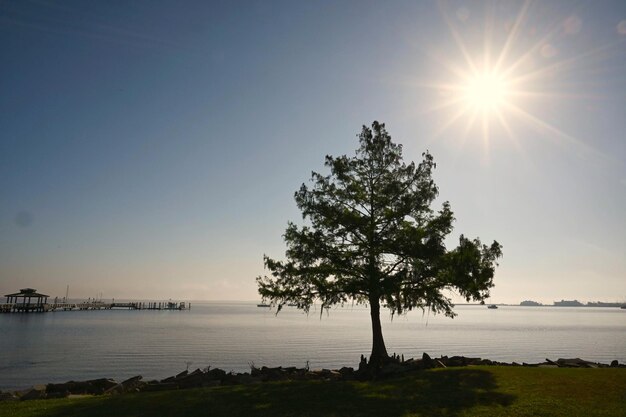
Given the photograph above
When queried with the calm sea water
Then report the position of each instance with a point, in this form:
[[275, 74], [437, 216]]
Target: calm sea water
[[79, 345]]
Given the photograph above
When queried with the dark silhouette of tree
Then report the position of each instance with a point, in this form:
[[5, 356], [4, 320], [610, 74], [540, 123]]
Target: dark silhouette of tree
[[372, 238]]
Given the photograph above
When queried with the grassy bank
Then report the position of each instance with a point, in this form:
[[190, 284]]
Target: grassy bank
[[470, 391]]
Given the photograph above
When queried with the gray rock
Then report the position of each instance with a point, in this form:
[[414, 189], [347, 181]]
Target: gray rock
[[131, 381], [334, 375], [574, 363], [58, 388], [134, 384], [191, 381], [118, 389], [456, 361], [412, 365], [94, 386], [33, 394], [347, 373], [8, 396], [98, 386], [216, 373], [312, 375], [427, 361]]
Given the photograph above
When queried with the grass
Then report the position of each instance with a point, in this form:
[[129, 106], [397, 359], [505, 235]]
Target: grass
[[470, 391]]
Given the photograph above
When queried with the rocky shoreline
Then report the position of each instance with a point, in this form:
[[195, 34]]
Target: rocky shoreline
[[208, 377]]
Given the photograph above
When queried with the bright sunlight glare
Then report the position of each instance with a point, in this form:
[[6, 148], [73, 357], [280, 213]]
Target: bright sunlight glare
[[493, 84], [486, 92]]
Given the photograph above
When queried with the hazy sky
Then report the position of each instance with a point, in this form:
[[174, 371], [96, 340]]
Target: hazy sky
[[151, 149]]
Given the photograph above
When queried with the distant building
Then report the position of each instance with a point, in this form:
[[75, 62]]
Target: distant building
[[530, 303], [601, 304], [568, 303]]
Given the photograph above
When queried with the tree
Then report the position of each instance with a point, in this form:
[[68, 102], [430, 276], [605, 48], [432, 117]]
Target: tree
[[372, 238]]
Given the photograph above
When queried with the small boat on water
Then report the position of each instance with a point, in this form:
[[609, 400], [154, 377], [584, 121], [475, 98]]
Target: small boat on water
[[263, 305], [493, 306]]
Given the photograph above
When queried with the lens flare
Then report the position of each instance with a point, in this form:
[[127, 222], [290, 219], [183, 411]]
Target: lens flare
[[486, 92], [494, 87]]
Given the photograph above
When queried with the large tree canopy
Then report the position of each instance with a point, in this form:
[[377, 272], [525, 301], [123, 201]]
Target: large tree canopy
[[372, 237]]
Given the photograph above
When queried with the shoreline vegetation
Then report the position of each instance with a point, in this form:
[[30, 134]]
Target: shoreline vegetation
[[559, 388], [397, 366]]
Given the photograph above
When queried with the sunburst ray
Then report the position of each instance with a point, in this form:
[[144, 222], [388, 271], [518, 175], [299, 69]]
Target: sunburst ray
[[496, 86]]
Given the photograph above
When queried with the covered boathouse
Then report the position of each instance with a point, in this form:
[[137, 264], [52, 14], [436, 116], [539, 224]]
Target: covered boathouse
[[27, 300]]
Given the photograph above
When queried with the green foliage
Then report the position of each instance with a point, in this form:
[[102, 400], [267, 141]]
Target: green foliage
[[371, 236]]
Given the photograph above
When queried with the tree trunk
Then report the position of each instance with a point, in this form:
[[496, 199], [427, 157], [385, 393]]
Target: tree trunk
[[379, 352]]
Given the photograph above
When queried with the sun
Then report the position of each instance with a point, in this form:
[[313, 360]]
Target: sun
[[485, 92], [495, 87], [482, 95]]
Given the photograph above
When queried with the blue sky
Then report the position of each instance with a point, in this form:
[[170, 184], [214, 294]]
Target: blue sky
[[152, 149]]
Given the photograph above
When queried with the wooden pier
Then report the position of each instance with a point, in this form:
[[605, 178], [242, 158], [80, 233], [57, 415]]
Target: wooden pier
[[22, 302], [90, 305]]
